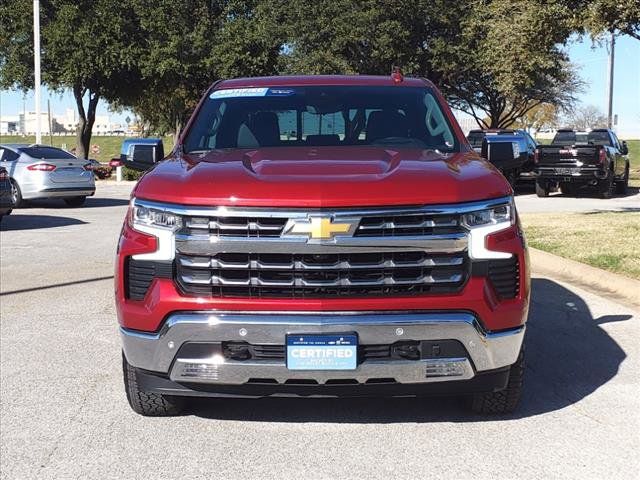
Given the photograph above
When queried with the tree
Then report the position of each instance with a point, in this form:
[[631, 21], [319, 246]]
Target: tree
[[494, 59], [542, 116], [88, 47], [507, 60], [368, 36], [585, 117], [191, 43], [599, 16]]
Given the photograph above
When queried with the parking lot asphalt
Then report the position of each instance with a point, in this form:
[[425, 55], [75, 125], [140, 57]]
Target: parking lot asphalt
[[63, 412], [588, 201]]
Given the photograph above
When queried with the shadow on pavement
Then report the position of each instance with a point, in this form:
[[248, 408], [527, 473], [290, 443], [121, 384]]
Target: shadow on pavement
[[91, 202], [32, 222], [56, 285], [525, 188], [569, 356]]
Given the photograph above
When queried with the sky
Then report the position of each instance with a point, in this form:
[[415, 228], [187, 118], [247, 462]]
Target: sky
[[590, 58]]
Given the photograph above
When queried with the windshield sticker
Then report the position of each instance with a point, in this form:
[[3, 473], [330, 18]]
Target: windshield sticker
[[239, 92], [281, 92]]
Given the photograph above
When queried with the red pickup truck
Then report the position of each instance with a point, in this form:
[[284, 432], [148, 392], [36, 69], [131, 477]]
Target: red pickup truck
[[322, 236]]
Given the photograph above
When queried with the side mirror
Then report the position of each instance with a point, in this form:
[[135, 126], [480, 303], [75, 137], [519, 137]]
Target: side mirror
[[142, 154], [500, 153], [624, 149]]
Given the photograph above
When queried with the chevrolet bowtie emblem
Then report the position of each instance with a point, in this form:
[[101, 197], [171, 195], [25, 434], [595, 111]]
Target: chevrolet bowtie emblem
[[319, 228]]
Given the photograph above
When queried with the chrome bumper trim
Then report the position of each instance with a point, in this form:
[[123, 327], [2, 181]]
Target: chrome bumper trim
[[209, 245], [337, 213], [238, 372], [157, 351]]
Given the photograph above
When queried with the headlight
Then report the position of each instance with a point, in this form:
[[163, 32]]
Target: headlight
[[483, 223], [490, 216], [143, 216], [162, 224]]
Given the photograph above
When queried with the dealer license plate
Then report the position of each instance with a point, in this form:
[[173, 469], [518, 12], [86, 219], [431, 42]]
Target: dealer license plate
[[564, 171], [322, 352]]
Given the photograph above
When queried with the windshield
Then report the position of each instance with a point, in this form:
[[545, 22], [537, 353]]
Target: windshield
[[391, 116], [47, 153], [570, 138]]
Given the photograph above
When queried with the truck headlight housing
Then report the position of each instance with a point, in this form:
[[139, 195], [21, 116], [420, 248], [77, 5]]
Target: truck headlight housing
[[483, 223], [147, 218], [150, 217], [490, 216]]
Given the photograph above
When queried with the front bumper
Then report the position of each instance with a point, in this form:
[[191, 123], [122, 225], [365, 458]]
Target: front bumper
[[483, 352]]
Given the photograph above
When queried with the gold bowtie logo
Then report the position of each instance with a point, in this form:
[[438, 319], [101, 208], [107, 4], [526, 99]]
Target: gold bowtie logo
[[319, 228]]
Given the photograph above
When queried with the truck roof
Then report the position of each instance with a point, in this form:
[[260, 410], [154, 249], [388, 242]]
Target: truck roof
[[492, 130], [305, 80]]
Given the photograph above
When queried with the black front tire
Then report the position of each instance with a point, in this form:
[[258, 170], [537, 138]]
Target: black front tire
[[542, 189], [503, 401], [606, 187], [149, 404], [75, 201], [623, 185]]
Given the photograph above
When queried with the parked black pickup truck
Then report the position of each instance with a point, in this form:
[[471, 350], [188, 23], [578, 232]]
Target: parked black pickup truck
[[578, 159], [511, 151]]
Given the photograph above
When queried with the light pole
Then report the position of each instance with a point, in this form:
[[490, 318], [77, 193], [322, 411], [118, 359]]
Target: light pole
[[612, 51], [36, 65]]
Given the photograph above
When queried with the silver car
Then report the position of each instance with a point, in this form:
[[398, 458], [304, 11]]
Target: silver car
[[41, 171]]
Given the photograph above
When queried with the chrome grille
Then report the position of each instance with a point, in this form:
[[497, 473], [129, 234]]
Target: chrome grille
[[320, 275], [400, 225], [248, 252], [234, 226]]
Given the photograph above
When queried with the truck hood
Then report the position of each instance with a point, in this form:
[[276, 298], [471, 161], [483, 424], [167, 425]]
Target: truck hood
[[322, 177]]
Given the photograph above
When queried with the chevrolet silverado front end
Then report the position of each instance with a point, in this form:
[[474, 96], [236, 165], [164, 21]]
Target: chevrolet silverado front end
[[322, 236]]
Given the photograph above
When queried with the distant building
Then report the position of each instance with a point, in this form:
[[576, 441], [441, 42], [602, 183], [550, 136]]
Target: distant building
[[61, 124], [9, 125]]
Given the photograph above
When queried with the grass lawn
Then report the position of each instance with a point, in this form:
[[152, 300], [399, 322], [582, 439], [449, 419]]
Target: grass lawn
[[634, 160], [607, 240], [109, 145]]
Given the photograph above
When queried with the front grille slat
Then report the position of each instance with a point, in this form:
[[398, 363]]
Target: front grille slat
[[325, 275], [241, 351], [234, 226], [408, 225]]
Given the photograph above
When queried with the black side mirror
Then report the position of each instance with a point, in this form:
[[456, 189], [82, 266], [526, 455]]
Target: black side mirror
[[624, 149], [142, 154]]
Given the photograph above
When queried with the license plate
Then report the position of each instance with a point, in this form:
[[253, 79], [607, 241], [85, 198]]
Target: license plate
[[564, 171], [322, 352]]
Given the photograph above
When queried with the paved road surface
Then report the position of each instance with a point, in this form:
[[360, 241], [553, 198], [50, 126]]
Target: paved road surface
[[528, 202], [63, 412]]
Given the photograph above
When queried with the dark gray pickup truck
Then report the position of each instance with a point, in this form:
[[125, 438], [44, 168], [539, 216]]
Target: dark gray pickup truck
[[582, 159]]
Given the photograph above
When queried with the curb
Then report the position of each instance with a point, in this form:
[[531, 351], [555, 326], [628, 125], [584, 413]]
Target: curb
[[618, 287]]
